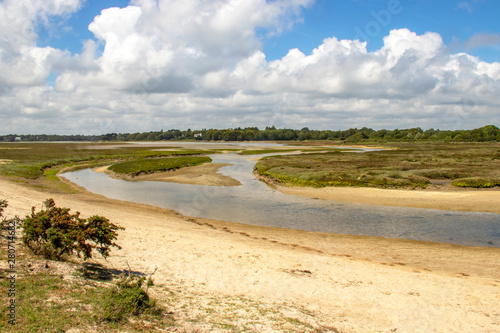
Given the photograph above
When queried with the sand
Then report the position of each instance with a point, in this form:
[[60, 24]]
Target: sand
[[205, 174], [349, 283], [457, 200]]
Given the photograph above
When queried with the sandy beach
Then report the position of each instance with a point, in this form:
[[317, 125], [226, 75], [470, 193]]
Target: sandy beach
[[347, 283]]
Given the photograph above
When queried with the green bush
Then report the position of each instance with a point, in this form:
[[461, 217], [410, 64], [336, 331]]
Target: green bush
[[475, 182], [126, 298], [54, 232]]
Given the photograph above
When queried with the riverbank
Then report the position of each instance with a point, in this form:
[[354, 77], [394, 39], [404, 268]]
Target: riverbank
[[350, 283], [454, 200]]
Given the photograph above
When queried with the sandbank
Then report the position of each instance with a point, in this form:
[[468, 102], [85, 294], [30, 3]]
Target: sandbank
[[456, 200], [205, 174]]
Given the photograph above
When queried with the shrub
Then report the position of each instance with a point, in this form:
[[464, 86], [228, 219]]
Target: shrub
[[475, 182], [54, 232], [126, 298]]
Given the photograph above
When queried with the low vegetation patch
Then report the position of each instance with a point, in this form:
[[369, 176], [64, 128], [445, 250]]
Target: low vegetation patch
[[476, 182], [265, 151], [54, 295], [409, 166], [30, 161], [142, 166], [127, 298]]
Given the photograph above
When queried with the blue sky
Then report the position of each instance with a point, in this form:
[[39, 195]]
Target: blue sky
[[455, 21], [88, 66]]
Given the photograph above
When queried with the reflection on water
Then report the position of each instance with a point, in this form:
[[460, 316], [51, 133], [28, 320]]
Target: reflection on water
[[256, 203]]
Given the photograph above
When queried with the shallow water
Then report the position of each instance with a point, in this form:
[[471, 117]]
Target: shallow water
[[256, 203]]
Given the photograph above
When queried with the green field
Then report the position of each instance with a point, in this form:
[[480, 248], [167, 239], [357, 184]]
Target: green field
[[144, 166], [408, 166]]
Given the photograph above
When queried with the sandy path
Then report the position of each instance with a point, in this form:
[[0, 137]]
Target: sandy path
[[356, 284]]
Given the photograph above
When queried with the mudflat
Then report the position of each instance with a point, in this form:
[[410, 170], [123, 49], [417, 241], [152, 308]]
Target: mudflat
[[351, 283]]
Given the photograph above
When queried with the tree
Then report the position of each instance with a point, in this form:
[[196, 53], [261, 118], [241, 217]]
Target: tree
[[54, 232]]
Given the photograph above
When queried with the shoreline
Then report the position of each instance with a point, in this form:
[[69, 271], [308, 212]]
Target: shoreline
[[352, 283], [457, 200]]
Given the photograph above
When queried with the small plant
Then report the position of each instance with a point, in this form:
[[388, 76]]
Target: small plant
[[127, 298], [54, 232], [3, 205], [475, 182], [7, 223]]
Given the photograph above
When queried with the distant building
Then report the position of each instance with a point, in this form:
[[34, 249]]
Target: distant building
[[198, 135], [17, 138]]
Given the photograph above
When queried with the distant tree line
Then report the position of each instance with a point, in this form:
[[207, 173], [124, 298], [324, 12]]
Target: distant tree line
[[353, 135]]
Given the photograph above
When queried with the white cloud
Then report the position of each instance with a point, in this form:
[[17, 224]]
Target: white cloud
[[482, 40], [21, 61], [200, 64]]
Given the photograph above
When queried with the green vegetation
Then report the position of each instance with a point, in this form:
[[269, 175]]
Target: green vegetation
[[38, 163], [48, 302], [142, 166], [409, 166], [265, 151], [127, 299], [55, 232], [352, 135], [476, 182], [44, 300]]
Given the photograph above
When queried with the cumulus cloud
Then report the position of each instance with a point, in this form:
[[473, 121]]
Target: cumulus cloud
[[200, 64], [22, 63]]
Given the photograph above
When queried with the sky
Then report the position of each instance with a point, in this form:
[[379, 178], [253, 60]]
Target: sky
[[101, 66]]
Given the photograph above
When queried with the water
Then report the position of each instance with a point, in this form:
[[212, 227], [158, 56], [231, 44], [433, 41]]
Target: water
[[256, 203]]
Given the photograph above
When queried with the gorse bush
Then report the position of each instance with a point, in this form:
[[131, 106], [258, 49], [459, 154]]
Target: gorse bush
[[54, 232]]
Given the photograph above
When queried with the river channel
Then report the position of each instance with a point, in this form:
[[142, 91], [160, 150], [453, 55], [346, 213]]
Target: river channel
[[256, 203]]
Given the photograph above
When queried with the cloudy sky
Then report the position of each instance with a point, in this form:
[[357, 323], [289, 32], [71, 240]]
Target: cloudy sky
[[100, 66]]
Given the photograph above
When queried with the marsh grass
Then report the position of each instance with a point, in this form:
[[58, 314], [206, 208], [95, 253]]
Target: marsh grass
[[269, 151], [151, 165], [410, 166], [37, 164], [264, 151]]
